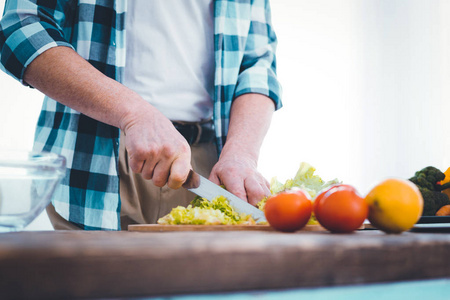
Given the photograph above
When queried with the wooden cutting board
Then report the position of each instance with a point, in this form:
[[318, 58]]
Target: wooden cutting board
[[165, 228]]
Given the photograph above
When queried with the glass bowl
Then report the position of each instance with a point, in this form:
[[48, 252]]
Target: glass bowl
[[27, 182]]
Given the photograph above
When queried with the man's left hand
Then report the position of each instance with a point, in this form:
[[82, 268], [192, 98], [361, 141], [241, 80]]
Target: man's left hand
[[240, 177], [236, 169]]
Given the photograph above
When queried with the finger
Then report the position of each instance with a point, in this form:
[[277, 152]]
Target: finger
[[149, 166], [266, 189], [161, 173], [143, 160], [267, 184], [147, 170], [136, 165], [235, 186], [171, 152], [179, 172], [255, 190]]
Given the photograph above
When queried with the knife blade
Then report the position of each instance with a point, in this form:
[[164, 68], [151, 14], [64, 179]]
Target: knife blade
[[204, 188]]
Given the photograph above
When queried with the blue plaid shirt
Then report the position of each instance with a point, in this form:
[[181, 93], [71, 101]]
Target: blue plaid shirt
[[89, 194]]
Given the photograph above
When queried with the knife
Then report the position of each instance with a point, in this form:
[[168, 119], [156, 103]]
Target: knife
[[201, 186]]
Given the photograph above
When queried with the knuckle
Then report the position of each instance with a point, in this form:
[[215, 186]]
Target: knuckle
[[144, 152], [134, 167], [139, 153], [168, 151], [184, 147], [152, 150]]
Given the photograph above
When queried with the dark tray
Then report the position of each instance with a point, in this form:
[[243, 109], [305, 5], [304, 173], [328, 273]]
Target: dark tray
[[433, 219]]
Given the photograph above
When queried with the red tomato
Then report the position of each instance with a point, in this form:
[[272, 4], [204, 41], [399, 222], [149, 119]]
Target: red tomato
[[319, 198], [340, 209], [288, 211]]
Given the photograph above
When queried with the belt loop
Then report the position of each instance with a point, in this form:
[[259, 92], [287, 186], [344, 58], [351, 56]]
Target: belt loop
[[199, 133]]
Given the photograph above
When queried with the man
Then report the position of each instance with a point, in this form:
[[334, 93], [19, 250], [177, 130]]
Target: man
[[75, 53]]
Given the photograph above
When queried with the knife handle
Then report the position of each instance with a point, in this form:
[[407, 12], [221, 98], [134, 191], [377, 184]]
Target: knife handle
[[192, 181]]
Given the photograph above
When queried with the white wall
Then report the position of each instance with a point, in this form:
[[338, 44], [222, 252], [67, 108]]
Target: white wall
[[366, 88], [319, 73]]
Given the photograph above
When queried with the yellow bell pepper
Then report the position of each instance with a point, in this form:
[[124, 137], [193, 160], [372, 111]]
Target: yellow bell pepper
[[446, 179]]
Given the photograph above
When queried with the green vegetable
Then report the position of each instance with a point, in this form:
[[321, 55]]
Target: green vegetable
[[220, 203], [305, 180], [432, 201], [427, 180], [203, 212]]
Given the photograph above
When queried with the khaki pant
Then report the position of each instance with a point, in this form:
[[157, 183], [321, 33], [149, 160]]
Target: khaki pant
[[143, 202]]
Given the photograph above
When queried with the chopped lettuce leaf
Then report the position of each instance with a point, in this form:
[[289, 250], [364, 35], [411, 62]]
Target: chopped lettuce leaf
[[262, 204], [276, 186], [220, 203], [304, 179], [313, 220], [204, 212], [195, 216]]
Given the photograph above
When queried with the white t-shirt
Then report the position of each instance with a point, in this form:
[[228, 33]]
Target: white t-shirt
[[170, 56]]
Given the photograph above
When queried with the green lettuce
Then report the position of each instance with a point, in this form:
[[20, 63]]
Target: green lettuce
[[204, 212], [305, 180]]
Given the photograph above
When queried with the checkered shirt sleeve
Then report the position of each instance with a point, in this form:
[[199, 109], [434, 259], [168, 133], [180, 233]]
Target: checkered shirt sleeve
[[27, 30], [245, 46], [89, 193]]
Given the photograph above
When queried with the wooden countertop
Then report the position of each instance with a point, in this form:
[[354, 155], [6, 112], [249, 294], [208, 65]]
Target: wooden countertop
[[68, 264]]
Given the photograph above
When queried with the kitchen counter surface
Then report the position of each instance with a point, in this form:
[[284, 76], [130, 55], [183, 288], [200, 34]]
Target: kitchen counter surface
[[69, 264]]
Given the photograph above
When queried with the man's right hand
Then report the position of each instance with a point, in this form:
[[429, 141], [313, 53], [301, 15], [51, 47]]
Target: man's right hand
[[155, 148]]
